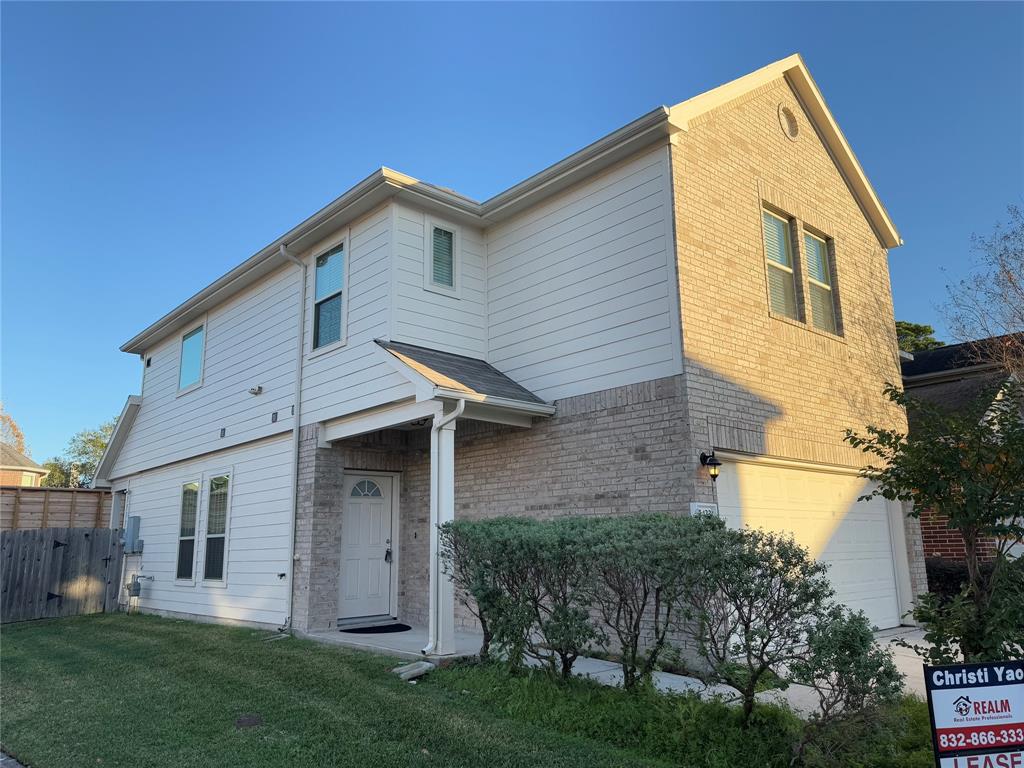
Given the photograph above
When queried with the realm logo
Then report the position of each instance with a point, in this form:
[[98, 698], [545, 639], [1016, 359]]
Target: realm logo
[[962, 706]]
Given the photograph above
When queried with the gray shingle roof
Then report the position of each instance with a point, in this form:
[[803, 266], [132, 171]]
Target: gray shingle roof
[[11, 457], [459, 373]]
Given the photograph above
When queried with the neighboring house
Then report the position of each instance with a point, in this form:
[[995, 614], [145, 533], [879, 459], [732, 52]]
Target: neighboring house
[[952, 378], [711, 276], [18, 469]]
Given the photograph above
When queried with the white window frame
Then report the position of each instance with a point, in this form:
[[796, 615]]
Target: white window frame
[[345, 240], [207, 477], [195, 532], [455, 290], [793, 270], [191, 328], [830, 288]]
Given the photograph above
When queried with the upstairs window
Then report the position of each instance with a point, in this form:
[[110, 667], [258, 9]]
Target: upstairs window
[[190, 367], [819, 279], [216, 529], [781, 274], [187, 530], [328, 299], [442, 257], [442, 248]]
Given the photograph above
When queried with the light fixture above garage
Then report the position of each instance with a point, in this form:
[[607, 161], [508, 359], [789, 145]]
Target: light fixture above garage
[[710, 461]]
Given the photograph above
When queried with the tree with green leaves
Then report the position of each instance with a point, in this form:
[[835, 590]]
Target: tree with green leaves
[[76, 467], [968, 465], [916, 337]]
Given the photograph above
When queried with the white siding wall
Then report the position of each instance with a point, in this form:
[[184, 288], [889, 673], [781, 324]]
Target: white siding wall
[[351, 377], [259, 529], [250, 341], [430, 319], [581, 289]]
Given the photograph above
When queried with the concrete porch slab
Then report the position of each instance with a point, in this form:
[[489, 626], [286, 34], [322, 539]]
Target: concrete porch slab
[[402, 645]]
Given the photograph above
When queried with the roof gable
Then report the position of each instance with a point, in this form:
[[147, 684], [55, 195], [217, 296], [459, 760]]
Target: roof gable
[[799, 78]]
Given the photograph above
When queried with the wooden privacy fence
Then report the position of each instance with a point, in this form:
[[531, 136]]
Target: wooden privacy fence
[[23, 507], [53, 572]]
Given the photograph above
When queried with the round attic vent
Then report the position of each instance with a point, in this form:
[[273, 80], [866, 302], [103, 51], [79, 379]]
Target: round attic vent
[[787, 120]]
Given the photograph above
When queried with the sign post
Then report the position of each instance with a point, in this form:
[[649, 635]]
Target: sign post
[[977, 714]]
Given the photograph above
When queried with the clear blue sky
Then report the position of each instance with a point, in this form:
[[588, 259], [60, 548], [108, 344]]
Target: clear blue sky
[[148, 148]]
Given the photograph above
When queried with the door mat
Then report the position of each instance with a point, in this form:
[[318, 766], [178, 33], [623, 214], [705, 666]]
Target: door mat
[[380, 629]]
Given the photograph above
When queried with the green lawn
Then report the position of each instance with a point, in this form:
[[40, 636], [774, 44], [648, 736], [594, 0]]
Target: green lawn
[[146, 692], [134, 691]]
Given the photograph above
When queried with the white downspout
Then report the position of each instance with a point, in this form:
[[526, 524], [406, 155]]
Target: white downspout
[[435, 510], [296, 423]]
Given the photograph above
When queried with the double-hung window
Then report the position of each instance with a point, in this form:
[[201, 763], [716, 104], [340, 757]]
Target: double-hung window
[[216, 528], [329, 297], [187, 530], [819, 278], [190, 366], [781, 273]]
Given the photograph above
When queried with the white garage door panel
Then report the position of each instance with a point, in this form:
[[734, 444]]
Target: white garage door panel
[[821, 510]]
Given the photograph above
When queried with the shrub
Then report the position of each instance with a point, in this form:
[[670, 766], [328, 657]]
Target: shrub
[[524, 581], [637, 581], [852, 676], [752, 597], [471, 556]]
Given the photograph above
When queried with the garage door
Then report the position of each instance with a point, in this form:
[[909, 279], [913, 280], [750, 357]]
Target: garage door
[[821, 510]]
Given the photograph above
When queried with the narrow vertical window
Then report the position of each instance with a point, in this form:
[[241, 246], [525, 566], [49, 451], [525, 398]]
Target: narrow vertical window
[[781, 275], [819, 278], [190, 368], [442, 257], [329, 297], [187, 530], [216, 529]]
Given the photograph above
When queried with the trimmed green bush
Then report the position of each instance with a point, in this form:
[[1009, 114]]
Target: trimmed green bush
[[751, 598]]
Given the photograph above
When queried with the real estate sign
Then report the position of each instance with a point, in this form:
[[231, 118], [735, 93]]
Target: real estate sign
[[977, 713]]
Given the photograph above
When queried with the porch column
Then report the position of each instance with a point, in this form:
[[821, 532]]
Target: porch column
[[441, 623]]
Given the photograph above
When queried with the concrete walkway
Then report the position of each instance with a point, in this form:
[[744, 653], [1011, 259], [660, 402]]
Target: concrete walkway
[[800, 698]]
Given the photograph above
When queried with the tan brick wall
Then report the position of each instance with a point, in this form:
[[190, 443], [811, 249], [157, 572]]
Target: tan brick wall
[[618, 451], [757, 382]]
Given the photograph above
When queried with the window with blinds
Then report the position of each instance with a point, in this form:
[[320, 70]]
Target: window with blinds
[[216, 529], [442, 259], [187, 530], [328, 297], [819, 279], [781, 275]]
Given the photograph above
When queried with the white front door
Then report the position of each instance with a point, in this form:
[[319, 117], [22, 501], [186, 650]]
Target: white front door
[[366, 520], [823, 512]]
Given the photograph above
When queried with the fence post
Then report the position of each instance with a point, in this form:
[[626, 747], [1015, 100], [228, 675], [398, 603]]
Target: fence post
[[99, 509], [14, 515], [46, 508], [71, 514]]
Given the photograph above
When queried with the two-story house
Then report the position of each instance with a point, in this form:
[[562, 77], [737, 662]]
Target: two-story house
[[710, 278]]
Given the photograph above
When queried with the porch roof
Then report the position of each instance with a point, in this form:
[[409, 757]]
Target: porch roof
[[459, 375]]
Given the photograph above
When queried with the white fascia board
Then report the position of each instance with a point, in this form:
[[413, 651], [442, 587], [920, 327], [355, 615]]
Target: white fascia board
[[424, 386], [379, 418], [522, 406], [793, 69], [122, 427]]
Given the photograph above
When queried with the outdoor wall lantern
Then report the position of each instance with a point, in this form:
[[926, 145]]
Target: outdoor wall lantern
[[711, 461]]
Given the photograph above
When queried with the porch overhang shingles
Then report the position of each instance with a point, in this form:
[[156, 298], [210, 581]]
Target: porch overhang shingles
[[450, 376]]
